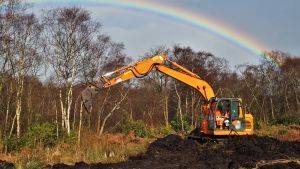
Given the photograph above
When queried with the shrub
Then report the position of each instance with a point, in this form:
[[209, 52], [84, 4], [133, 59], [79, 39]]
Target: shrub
[[258, 124], [176, 124], [38, 134], [138, 127], [44, 134], [165, 130], [14, 144], [286, 121], [67, 138]]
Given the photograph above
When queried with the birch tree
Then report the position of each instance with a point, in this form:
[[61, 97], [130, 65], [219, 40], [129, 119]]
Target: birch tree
[[68, 37], [20, 56]]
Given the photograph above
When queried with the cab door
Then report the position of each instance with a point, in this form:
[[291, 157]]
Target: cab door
[[237, 118]]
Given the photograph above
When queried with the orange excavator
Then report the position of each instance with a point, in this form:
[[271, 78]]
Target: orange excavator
[[219, 116]]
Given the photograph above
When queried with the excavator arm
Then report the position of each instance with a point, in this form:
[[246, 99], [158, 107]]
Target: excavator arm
[[238, 121], [162, 64]]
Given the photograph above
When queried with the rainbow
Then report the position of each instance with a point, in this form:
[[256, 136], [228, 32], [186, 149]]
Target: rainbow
[[182, 15]]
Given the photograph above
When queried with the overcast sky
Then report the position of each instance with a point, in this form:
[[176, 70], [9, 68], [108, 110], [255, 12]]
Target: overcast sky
[[275, 23]]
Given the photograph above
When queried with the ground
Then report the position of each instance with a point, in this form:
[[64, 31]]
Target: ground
[[174, 151]]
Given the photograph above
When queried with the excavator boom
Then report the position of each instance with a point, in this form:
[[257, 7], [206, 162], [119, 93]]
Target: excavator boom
[[159, 63]]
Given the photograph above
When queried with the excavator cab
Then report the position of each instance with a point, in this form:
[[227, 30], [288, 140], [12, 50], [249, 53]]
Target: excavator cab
[[226, 116]]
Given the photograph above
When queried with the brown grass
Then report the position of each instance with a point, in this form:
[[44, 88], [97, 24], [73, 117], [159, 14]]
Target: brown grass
[[105, 149], [108, 148]]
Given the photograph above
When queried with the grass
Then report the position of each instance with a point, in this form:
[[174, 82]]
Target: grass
[[30, 163], [108, 148], [281, 132]]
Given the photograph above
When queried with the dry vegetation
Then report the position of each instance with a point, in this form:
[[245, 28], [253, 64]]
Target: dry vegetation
[[109, 148], [280, 132]]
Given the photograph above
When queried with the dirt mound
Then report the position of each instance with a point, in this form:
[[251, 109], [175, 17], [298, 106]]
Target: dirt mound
[[247, 151], [233, 152], [170, 144]]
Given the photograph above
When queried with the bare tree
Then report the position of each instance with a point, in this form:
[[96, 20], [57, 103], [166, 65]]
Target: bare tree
[[179, 109], [69, 38], [20, 55], [115, 106]]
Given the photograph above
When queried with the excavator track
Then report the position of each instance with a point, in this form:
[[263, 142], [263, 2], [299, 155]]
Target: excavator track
[[205, 138]]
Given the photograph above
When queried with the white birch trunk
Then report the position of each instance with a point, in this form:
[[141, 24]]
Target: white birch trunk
[[179, 107], [69, 103], [80, 123], [166, 111], [63, 112], [19, 105]]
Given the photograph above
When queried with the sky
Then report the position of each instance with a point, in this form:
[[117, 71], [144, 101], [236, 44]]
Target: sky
[[269, 24]]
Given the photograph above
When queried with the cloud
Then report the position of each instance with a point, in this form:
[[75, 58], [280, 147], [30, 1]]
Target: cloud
[[142, 31]]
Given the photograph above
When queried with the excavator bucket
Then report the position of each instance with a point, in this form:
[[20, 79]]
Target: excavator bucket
[[87, 96]]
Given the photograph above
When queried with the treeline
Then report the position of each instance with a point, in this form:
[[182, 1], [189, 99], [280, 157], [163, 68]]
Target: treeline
[[46, 62]]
